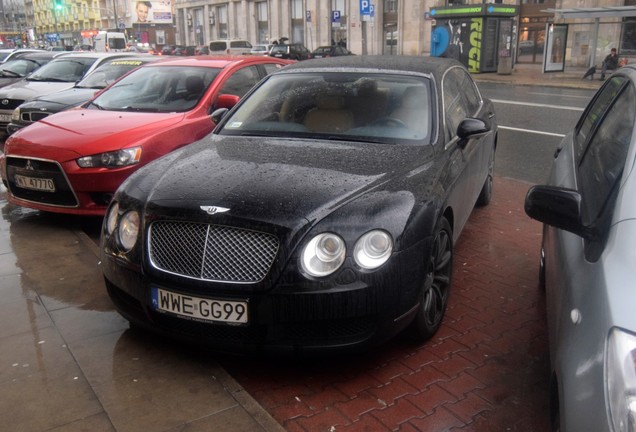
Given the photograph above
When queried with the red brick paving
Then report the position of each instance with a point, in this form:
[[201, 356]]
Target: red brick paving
[[485, 370]]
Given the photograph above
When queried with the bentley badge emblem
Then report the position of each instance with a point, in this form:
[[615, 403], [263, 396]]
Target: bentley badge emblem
[[214, 209]]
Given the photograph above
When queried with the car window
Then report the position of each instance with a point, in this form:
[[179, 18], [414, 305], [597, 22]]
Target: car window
[[461, 98], [241, 81], [21, 66], [108, 73], [157, 89], [279, 49], [594, 113], [602, 164], [352, 106], [217, 46], [240, 44], [271, 67], [454, 108], [65, 70]]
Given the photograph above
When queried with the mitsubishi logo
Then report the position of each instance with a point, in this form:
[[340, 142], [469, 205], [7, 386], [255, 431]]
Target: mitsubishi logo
[[214, 209], [29, 166]]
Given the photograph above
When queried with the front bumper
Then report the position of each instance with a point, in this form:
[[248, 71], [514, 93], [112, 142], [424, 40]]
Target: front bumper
[[357, 314]]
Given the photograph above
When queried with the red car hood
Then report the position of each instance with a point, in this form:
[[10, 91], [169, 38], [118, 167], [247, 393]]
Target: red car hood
[[69, 134]]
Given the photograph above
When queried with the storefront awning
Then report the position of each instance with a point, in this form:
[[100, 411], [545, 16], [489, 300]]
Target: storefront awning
[[595, 12]]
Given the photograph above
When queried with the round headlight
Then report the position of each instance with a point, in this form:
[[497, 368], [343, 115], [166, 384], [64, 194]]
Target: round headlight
[[129, 230], [323, 255], [111, 221], [373, 249]]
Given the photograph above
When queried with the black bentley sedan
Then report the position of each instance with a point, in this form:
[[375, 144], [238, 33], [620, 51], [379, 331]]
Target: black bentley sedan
[[320, 215]]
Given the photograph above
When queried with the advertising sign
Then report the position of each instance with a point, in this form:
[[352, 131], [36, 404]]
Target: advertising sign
[[145, 11]]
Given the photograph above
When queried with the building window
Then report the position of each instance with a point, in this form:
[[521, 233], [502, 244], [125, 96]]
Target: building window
[[298, 21], [390, 6], [221, 14], [262, 27], [628, 37], [339, 28]]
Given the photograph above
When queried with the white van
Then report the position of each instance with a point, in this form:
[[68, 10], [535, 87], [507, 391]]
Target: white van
[[230, 46], [110, 41]]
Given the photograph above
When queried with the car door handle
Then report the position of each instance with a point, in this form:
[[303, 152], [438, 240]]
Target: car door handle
[[491, 115]]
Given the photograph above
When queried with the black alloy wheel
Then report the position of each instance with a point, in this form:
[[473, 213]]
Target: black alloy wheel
[[436, 286]]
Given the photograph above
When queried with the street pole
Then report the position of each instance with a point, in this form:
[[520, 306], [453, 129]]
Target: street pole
[[115, 13]]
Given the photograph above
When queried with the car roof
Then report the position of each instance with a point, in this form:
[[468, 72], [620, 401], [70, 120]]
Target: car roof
[[218, 61], [37, 55], [418, 64], [98, 55]]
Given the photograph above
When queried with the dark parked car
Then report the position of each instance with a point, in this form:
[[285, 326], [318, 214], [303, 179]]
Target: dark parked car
[[173, 50], [330, 51], [290, 51], [587, 263], [85, 89], [319, 215]]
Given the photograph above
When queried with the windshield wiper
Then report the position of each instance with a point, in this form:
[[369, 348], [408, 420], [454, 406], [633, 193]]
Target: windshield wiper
[[140, 109], [96, 105], [49, 79], [11, 73]]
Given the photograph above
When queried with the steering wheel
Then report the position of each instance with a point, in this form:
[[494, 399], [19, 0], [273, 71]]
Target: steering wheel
[[389, 121]]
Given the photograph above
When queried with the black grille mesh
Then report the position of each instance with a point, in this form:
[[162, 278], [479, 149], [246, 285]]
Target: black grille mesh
[[211, 252]]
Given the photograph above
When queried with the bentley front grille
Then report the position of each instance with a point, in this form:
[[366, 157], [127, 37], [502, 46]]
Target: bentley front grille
[[211, 252]]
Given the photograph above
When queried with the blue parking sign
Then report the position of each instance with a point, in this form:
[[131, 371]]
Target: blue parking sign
[[365, 7], [335, 16]]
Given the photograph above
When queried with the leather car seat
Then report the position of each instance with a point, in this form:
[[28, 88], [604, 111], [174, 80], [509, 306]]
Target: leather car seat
[[329, 115]]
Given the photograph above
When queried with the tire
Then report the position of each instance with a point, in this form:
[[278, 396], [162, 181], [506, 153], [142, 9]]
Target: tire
[[486, 191], [436, 285], [542, 270]]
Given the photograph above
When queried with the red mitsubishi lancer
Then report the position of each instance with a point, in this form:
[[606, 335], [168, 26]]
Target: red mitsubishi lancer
[[73, 161]]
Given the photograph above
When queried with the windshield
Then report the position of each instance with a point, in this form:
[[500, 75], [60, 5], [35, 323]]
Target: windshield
[[157, 89], [373, 107], [20, 67], [63, 70], [116, 43], [108, 73]]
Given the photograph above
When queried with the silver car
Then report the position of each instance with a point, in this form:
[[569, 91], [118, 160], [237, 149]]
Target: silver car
[[588, 260]]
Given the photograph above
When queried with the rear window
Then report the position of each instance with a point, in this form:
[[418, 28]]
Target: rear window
[[279, 49], [218, 46], [240, 44]]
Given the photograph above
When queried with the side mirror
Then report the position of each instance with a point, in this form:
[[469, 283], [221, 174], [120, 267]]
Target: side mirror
[[218, 114], [226, 101], [470, 127], [556, 206]]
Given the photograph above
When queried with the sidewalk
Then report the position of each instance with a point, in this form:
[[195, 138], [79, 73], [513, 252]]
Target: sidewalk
[[532, 74], [70, 362]]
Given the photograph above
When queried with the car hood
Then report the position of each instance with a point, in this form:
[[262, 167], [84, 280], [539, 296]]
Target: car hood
[[69, 134], [27, 90], [278, 181], [60, 100]]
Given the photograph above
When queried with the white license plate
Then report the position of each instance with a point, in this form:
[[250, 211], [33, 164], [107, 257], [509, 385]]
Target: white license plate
[[5, 118], [199, 308], [35, 183]]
